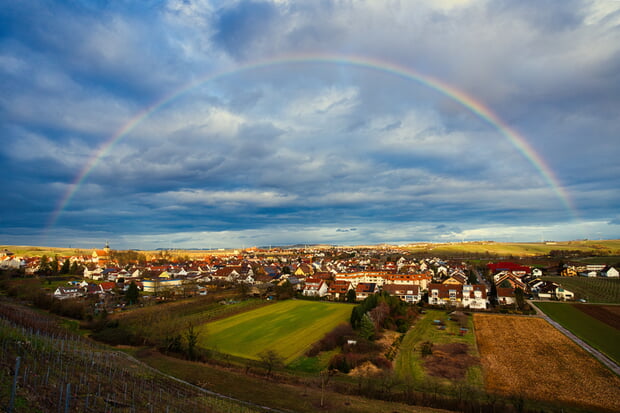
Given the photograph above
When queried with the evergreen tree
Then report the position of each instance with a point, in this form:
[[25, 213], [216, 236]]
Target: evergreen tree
[[54, 265], [133, 294], [351, 296], [367, 327], [75, 268], [66, 267]]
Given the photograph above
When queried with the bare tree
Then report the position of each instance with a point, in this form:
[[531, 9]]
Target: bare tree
[[271, 360]]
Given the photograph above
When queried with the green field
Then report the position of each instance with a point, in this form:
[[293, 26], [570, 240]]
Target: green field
[[594, 332], [595, 290], [408, 363], [288, 328]]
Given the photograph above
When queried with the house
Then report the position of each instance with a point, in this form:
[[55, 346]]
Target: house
[[107, 287], [304, 270], [475, 296], [363, 290], [505, 296], [315, 288], [9, 262], [610, 272], [228, 274], [63, 293], [445, 294], [507, 279], [456, 278], [338, 290], [545, 290], [406, 292], [421, 280], [562, 294]]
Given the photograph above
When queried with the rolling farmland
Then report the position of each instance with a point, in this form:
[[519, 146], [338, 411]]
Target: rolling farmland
[[287, 327], [527, 357]]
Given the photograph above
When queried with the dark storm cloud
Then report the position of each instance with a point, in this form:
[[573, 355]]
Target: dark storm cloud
[[238, 27], [307, 152]]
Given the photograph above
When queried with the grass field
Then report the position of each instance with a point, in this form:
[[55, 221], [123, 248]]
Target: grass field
[[595, 290], [408, 363], [288, 328], [594, 332], [527, 357]]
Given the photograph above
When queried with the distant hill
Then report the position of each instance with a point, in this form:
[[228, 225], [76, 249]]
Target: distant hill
[[519, 249]]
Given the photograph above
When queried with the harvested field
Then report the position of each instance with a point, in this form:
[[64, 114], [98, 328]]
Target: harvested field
[[524, 356], [608, 314]]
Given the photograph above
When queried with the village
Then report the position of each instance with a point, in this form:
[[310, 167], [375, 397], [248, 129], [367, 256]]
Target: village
[[335, 274]]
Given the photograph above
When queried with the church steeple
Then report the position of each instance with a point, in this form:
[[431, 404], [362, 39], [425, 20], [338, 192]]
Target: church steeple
[[107, 247]]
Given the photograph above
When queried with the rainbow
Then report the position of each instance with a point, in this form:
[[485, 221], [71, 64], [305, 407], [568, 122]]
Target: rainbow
[[469, 102]]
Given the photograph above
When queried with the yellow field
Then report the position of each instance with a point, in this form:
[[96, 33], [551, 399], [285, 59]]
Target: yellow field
[[522, 249], [527, 357]]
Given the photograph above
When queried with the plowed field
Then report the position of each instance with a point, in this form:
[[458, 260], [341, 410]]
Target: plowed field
[[528, 357], [608, 314]]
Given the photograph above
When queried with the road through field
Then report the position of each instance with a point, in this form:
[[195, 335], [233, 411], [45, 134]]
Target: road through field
[[597, 354]]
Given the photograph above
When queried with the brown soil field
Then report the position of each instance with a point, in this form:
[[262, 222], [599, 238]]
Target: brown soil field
[[524, 356], [608, 314]]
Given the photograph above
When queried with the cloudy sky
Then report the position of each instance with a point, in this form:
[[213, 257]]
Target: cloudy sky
[[204, 123]]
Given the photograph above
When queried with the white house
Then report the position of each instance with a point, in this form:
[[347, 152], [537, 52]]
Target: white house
[[563, 294], [67, 292], [315, 288], [474, 296], [610, 272]]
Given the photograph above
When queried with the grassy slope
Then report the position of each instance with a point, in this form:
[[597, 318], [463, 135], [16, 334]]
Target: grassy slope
[[408, 363], [302, 398], [288, 328], [595, 290], [594, 332]]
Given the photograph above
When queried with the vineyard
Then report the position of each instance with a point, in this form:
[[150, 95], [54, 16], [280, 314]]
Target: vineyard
[[45, 368], [157, 323], [524, 356], [594, 290]]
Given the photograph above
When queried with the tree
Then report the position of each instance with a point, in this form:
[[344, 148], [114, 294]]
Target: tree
[[66, 267], [133, 294], [44, 266], [519, 298], [191, 336], [75, 268], [367, 327], [54, 265], [270, 360], [351, 296]]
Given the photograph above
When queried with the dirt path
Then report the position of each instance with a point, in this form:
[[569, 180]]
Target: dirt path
[[597, 354]]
